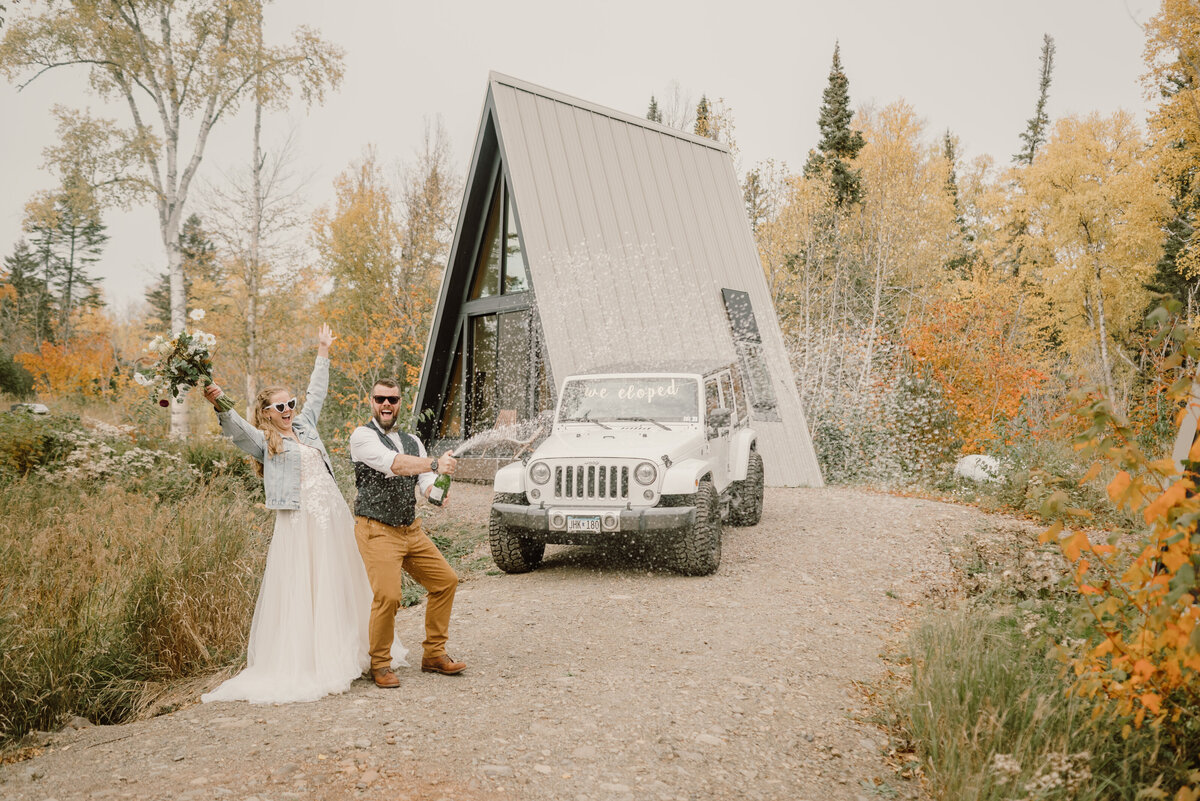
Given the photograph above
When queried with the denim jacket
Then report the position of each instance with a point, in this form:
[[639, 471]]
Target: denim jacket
[[281, 472]]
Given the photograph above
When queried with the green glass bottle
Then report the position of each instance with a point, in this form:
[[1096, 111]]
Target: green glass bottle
[[441, 486]]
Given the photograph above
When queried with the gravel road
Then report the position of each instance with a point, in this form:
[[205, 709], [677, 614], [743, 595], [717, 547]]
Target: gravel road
[[598, 676]]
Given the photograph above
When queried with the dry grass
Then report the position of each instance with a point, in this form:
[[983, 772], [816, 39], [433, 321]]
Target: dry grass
[[991, 719], [105, 590]]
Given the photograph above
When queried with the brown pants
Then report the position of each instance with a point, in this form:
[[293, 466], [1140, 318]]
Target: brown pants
[[386, 550]]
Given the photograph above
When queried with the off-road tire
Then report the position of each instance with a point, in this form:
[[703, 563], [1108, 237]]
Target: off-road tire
[[745, 509], [511, 551], [696, 551]]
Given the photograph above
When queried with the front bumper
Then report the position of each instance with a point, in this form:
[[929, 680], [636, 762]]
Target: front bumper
[[536, 521]]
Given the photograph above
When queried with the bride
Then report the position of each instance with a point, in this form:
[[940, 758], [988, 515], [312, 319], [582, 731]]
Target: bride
[[309, 633]]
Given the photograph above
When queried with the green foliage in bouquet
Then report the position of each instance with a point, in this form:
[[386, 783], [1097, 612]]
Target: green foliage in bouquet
[[183, 361]]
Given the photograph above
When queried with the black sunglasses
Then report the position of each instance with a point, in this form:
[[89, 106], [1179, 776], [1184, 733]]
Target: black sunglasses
[[392, 399], [281, 407]]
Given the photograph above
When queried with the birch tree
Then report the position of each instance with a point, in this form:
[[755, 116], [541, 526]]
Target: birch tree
[[256, 214], [178, 68]]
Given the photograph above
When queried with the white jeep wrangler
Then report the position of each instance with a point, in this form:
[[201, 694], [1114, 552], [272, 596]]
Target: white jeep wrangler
[[666, 455]]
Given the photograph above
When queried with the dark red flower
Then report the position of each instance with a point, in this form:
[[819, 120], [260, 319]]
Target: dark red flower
[[164, 403]]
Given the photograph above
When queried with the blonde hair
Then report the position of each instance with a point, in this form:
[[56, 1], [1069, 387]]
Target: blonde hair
[[260, 421]]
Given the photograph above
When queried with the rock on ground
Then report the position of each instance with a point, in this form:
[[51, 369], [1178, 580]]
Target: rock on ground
[[599, 676]]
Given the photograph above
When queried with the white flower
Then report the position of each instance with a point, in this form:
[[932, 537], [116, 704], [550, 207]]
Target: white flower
[[142, 379], [197, 314]]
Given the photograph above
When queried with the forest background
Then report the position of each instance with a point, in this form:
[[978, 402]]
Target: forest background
[[932, 307]]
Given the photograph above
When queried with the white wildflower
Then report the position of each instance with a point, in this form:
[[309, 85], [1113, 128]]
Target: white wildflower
[[1006, 767], [197, 315], [1061, 773], [142, 379]]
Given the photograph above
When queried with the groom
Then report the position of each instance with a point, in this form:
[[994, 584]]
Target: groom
[[388, 465]]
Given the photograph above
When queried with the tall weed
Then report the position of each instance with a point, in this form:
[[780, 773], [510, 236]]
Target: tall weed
[[992, 720], [105, 589]]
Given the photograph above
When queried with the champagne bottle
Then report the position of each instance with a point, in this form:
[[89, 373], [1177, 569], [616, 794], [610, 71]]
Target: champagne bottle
[[441, 486]]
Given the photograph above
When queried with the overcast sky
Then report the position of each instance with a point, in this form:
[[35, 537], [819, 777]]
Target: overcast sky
[[968, 66]]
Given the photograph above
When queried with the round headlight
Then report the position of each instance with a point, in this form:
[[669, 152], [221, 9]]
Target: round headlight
[[539, 473], [645, 473]]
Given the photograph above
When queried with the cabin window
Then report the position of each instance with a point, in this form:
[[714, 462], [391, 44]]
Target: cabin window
[[500, 269], [751, 358], [501, 351], [503, 372], [516, 274], [490, 263], [483, 372]]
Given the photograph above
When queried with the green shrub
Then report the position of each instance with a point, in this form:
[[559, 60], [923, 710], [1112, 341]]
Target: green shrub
[[29, 441], [15, 380], [1031, 470]]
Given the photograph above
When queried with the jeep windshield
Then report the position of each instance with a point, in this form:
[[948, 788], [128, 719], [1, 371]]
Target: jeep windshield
[[669, 399]]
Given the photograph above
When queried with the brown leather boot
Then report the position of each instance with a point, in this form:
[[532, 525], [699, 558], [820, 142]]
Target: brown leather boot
[[442, 664], [385, 678]]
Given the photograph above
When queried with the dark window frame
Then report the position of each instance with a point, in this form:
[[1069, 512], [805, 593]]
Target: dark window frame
[[502, 303], [757, 379]]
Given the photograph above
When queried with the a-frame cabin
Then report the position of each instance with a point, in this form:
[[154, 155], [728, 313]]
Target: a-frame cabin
[[589, 237]]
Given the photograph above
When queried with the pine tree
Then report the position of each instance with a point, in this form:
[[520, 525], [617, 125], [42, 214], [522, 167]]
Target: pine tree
[[703, 126], [839, 144], [1034, 135], [42, 269], [961, 260], [81, 237], [199, 261], [27, 308], [654, 113]]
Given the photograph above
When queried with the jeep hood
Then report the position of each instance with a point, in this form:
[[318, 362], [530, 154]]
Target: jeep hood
[[645, 441]]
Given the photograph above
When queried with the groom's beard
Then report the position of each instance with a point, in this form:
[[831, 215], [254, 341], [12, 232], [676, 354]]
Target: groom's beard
[[385, 426]]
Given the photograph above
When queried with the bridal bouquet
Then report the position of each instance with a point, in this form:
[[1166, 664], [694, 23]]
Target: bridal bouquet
[[183, 361]]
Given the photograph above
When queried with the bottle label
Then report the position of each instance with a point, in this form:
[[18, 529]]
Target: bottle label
[[436, 493]]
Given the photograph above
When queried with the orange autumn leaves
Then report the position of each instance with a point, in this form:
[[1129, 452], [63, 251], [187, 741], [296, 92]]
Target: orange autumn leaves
[[1143, 597], [969, 348]]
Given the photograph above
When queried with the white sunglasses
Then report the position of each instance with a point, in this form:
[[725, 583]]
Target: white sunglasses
[[281, 407]]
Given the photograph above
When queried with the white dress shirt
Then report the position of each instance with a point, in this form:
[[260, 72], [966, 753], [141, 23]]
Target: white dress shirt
[[365, 447]]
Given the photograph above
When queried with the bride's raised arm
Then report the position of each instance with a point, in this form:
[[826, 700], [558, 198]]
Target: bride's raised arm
[[318, 383]]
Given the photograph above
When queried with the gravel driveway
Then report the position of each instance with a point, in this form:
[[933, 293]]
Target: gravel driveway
[[598, 676]]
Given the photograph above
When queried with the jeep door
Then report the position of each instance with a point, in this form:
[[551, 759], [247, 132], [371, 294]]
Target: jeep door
[[718, 435]]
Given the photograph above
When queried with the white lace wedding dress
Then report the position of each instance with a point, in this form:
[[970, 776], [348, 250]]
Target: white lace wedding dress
[[309, 634]]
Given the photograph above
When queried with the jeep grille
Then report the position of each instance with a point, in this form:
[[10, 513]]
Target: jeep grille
[[587, 482]]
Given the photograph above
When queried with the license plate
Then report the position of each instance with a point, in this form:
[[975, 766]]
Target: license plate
[[583, 523]]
